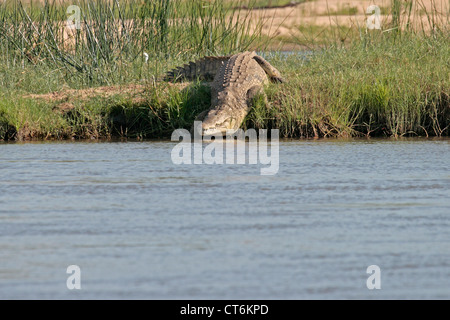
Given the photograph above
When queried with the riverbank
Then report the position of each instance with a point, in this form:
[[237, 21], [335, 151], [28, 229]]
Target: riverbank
[[387, 83]]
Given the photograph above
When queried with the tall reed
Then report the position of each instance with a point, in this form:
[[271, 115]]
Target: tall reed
[[114, 35]]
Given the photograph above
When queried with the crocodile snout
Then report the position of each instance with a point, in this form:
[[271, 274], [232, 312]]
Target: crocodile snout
[[218, 129]]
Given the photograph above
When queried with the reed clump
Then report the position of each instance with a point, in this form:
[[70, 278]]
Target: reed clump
[[98, 42], [388, 87]]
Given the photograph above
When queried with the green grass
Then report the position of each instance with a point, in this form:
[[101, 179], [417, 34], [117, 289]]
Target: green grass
[[23, 118], [158, 111], [354, 83], [313, 36], [384, 87], [114, 35]]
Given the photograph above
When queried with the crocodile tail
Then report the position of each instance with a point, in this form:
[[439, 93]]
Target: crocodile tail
[[204, 69]]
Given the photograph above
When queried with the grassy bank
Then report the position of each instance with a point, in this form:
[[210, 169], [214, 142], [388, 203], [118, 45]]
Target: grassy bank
[[392, 87], [380, 83]]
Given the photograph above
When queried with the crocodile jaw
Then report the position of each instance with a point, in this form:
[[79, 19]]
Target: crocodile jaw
[[213, 132], [222, 120], [218, 129]]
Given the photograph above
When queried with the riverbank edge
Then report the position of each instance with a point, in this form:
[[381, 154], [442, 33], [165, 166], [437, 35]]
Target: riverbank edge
[[154, 111]]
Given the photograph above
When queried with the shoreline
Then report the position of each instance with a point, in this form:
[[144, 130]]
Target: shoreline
[[281, 140]]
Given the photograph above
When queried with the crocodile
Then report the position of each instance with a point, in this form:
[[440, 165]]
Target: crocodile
[[236, 80]]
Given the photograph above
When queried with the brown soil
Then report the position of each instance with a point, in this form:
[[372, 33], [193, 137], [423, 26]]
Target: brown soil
[[85, 94]]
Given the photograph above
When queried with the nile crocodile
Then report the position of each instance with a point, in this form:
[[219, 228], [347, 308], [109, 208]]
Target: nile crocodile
[[237, 79]]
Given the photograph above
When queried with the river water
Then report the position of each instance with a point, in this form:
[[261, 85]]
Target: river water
[[139, 226]]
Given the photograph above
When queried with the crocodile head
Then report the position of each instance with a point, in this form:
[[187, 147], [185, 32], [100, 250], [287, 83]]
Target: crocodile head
[[219, 122]]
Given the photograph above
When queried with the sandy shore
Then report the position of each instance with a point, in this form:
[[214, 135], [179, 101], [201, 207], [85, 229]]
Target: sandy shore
[[286, 22]]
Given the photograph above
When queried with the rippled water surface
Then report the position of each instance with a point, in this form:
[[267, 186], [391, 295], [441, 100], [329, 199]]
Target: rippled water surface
[[141, 227]]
